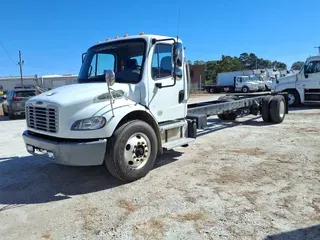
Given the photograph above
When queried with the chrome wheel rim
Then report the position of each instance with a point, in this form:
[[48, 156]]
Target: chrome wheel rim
[[137, 151], [281, 109], [245, 90], [291, 98]]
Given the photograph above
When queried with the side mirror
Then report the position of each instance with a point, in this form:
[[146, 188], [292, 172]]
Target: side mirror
[[178, 73], [305, 71], [177, 54], [109, 77]]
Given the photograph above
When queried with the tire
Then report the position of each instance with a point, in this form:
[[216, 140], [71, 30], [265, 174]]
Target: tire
[[245, 89], [265, 108], [4, 112], [231, 116], [222, 116], [122, 161], [294, 98], [11, 115], [228, 116], [277, 109]]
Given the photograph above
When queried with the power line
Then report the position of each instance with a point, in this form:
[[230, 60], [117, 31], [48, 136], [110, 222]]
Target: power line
[[6, 52]]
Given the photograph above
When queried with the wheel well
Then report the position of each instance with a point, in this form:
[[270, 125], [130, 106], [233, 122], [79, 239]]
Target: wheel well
[[293, 90], [145, 117], [290, 89]]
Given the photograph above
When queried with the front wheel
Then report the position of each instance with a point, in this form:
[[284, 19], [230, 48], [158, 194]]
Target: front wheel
[[131, 151], [245, 89], [293, 98]]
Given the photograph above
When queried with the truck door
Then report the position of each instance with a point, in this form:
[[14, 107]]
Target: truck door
[[308, 82], [238, 83], [165, 103]]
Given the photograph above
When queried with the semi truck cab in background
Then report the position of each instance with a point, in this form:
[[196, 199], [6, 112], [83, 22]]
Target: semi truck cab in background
[[303, 87], [130, 103]]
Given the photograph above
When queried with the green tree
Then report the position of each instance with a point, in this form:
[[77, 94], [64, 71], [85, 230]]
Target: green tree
[[297, 65], [199, 62]]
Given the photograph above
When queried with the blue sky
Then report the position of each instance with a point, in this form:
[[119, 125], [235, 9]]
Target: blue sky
[[53, 34]]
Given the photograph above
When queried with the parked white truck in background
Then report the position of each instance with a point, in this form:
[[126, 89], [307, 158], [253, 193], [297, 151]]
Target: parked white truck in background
[[245, 84], [130, 103], [302, 87]]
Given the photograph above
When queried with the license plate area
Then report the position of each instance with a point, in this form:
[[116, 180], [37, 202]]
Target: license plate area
[[40, 152]]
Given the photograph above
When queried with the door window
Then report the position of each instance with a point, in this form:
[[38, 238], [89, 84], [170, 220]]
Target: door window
[[162, 61], [313, 67]]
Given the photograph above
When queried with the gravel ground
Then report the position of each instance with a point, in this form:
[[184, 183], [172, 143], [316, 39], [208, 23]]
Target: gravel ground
[[239, 180]]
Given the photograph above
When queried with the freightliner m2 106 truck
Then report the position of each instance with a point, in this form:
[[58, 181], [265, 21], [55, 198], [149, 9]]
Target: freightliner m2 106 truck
[[129, 104]]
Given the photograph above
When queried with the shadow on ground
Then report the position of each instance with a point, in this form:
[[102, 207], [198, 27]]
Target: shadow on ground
[[30, 180], [6, 118], [311, 233], [216, 124]]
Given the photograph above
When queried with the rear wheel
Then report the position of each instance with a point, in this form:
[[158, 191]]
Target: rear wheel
[[231, 115], [265, 108], [131, 151], [277, 109]]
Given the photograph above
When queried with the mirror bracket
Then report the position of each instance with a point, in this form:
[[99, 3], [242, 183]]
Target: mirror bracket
[[110, 79]]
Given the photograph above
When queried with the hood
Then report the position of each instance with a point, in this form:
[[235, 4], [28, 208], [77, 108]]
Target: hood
[[289, 78], [74, 94]]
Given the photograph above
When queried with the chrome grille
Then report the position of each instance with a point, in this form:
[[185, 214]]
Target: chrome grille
[[43, 118]]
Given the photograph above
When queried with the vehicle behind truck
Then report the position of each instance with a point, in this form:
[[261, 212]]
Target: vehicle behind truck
[[302, 87], [129, 104]]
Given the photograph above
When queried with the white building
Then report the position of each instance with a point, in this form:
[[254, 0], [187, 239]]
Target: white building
[[45, 82]]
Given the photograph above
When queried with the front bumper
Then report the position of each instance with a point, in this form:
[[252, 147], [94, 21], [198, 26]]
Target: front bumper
[[67, 153]]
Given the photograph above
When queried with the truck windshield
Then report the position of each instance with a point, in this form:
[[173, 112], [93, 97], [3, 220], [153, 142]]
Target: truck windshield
[[124, 57]]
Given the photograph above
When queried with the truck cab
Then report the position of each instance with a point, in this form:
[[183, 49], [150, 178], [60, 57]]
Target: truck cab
[[302, 87], [259, 80], [129, 102], [245, 84]]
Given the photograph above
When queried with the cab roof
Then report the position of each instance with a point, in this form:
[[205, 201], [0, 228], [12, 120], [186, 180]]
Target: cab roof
[[317, 57], [146, 37]]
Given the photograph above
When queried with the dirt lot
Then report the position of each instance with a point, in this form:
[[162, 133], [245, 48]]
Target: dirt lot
[[241, 180]]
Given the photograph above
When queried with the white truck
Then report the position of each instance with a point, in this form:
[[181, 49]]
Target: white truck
[[232, 82], [302, 87], [245, 84], [130, 103]]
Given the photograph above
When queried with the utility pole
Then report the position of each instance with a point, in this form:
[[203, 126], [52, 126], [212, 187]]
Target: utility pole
[[318, 49], [21, 64]]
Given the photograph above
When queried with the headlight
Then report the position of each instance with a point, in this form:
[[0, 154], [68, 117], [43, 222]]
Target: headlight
[[89, 123]]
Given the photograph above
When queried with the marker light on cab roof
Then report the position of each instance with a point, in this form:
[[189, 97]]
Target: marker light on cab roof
[[116, 37], [107, 39], [142, 33], [126, 35]]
